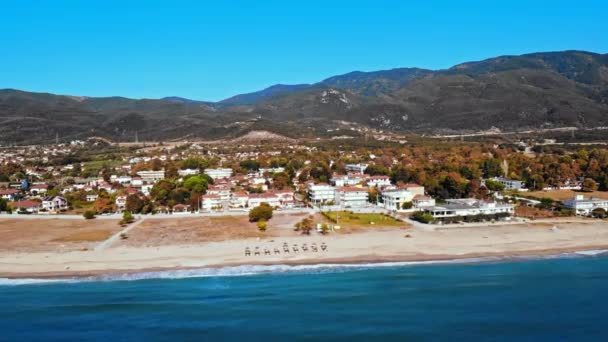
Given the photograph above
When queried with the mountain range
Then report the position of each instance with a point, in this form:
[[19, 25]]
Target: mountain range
[[538, 90]]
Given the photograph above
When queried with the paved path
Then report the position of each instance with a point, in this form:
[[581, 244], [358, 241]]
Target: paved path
[[107, 243]]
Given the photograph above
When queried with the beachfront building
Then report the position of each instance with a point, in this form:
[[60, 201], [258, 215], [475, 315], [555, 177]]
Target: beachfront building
[[285, 198], [239, 200], [351, 197], [357, 168], [469, 207], [511, 184], [585, 206], [211, 202], [151, 176], [28, 206], [9, 194], [257, 199], [219, 173], [222, 190], [321, 193], [394, 199], [421, 201], [55, 204]]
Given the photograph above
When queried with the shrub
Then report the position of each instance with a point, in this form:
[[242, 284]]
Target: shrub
[[262, 225], [89, 214], [261, 212], [407, 205], [422, 217], [127, 217]]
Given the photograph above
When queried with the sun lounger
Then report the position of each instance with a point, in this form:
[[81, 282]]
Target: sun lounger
[[266, 251], [277, 251]]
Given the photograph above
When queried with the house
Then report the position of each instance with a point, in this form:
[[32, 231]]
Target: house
[[511, 184], [188, 172], [27, 206], [120, 179], [351, 197], [181, 208], [394, 199], [92, 197], [211, 202], [271, 170], [55, 204], [285, 198], [349, 179], [257, 199], [469, 207], [121, 203], [358, 168], [239, 200], [321, 193], [378, 181], [151, 176], [585, 207], [9, 194], [39, 189], [420, 201], [219, 173], [222, 190]]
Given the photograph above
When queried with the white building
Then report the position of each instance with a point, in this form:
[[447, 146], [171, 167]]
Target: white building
[[468, 207], [351, 197], [321, 193], [121, 179], [585, 207], [239, 200], [349, 179], [151, 176], [121, 203], [188, 172], [394, 199], [211, 202], [378, 181], [257, 199], [423, 201], [358, 168], [511, 184], [55, 204], [221, 190], [414, 188], [92, 198], [264, 170], [219, 173]]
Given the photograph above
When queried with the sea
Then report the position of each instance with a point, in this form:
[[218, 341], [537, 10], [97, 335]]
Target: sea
[[556, 298]]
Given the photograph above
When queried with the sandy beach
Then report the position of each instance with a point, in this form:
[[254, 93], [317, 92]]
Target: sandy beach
[[200, 242]]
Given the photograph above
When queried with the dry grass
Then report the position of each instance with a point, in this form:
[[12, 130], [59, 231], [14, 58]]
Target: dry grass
[[86, 236], [193, 230], [560, 195], [533, 213], [29, 235]]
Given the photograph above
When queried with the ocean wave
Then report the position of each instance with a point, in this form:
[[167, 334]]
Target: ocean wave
[[248, 270]]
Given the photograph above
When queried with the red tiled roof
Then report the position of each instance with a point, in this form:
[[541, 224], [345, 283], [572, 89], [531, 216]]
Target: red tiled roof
[[8, 192], [26, 204]]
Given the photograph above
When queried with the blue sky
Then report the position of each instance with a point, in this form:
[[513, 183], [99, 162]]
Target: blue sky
[[210, 50]]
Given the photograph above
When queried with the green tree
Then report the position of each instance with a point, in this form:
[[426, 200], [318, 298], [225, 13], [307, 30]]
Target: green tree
[[261, 212], [407, 205], [589, 185], [307, 226], [493, 185], [134, 203], [196, 184]]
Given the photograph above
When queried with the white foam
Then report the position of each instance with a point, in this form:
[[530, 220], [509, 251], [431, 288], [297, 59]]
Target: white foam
[[247, 270]]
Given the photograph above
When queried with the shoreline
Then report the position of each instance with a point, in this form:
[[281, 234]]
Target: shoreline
[[370, 260]]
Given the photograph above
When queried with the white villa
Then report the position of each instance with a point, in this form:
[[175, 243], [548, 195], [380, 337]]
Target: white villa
[[378, 181], [321, 193], [188, 172], [221, 190], [394, 199], [257, 199], [347, 180], [351, 197], [55, 204], [584, 206], [210, 202], [239, 200]]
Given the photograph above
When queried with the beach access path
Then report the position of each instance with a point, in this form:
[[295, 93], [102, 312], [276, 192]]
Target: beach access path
[[107, 243]]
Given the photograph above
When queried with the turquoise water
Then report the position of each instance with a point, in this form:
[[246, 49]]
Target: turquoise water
[[551, 299]]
